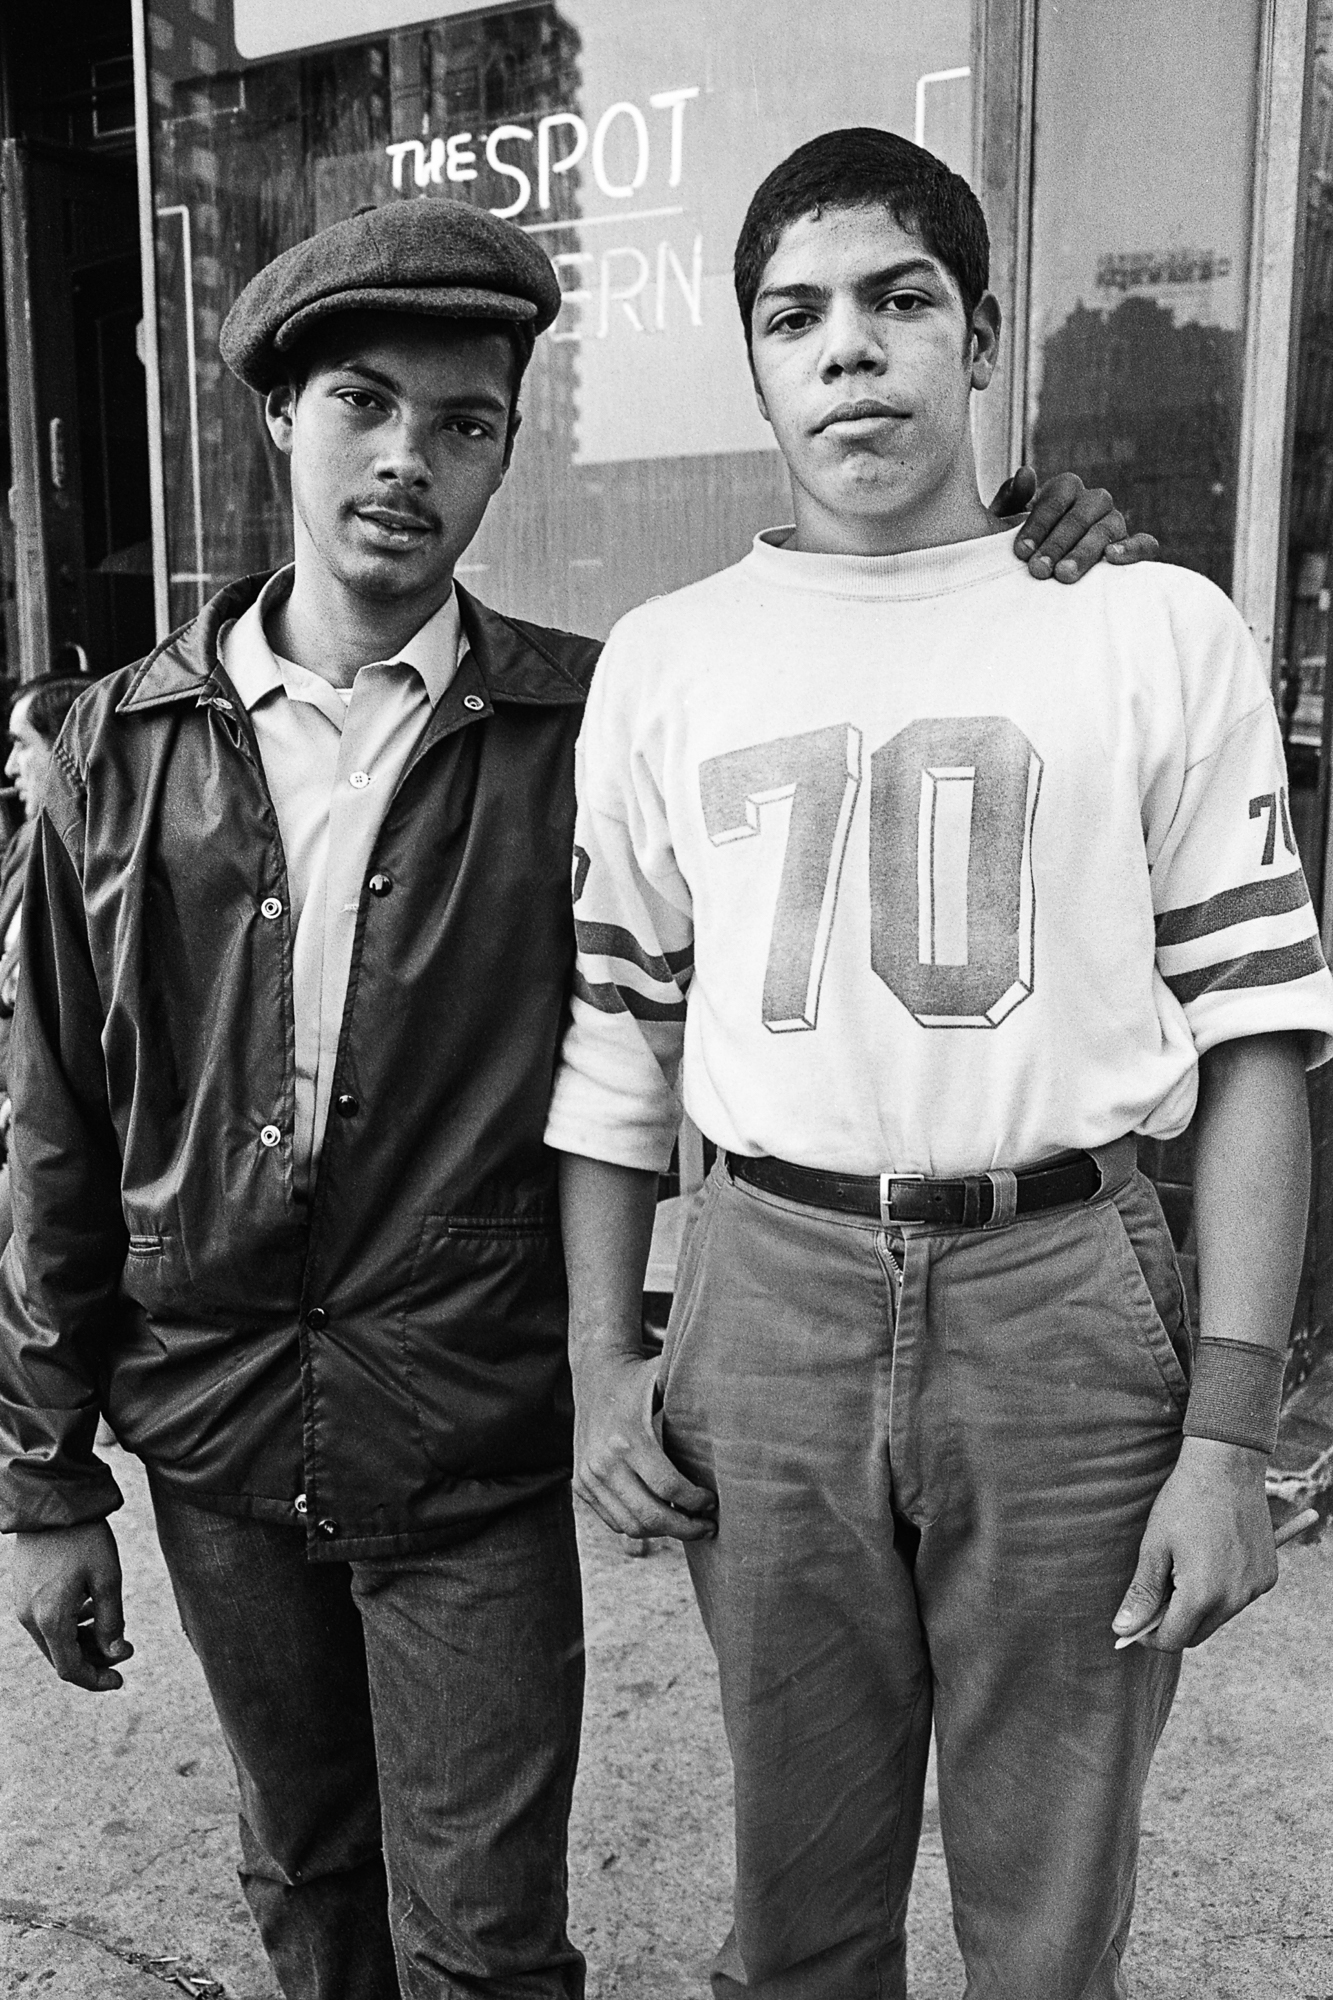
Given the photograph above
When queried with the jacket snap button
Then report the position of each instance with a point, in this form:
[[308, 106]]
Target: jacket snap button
[[359, 780], [328, 1527], [346, 1105], [269, 1135], [299, 1503], [270, 908], [317, 1319], [380, 885], [474, 702]]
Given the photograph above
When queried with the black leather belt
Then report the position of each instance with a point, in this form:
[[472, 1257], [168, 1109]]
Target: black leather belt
[[973, 1201]]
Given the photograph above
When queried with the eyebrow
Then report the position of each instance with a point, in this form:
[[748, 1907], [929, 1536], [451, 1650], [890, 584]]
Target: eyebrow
[[803, 294], [472, 398]]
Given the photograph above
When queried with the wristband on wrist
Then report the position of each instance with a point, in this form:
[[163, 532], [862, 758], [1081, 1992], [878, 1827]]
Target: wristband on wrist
[[1236, 1394]]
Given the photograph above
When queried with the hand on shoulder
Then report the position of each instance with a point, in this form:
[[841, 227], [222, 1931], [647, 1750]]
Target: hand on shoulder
[[1070, 527]]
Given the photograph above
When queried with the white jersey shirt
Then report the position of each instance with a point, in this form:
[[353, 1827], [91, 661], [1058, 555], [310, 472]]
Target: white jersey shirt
[[926, 866]]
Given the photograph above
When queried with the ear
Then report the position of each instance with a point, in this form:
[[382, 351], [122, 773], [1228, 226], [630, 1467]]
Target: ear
[[984, 341], [279, 414]]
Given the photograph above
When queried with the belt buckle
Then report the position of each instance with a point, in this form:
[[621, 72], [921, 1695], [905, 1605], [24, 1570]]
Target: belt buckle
[[887, 1183]]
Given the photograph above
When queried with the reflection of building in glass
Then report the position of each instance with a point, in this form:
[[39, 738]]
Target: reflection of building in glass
[[1303, 635], [1310, 516], [251, 162], [512, 69], [1135, 402]]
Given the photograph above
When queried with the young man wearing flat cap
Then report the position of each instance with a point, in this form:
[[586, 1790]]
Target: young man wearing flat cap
[[297, 944]]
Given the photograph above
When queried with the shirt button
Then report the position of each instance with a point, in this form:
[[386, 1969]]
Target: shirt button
[[327, 1527], [474, 702], [380, 885], [299, 1503], [359, 780], [346, 1105], [270, 908], [269, 1135], [317, 1319]]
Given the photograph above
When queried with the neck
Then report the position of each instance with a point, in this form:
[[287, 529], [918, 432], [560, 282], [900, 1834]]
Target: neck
[[954, 513], [329, 629]]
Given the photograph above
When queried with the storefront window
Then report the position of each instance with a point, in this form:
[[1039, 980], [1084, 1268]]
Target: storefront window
[[1142, 180], [627, 136], [1304, 635]]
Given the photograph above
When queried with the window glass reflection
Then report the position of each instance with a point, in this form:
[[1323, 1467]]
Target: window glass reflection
[[1304, 634], [627, 135], [1140, 240]]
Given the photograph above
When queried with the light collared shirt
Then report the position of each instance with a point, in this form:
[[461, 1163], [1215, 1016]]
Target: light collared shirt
[[333, 758]]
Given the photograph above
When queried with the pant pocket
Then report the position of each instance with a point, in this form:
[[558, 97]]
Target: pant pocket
[[688, 1276], [1154, 1282]]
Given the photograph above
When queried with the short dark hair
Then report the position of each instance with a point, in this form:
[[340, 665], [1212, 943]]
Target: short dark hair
[[50, 697], [862, 167]]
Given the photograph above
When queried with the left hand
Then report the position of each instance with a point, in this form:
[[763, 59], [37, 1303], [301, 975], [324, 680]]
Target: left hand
[[1207, 1550], [1070, 526]]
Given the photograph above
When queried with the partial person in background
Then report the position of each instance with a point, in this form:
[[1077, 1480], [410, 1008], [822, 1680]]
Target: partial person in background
[[39, 709]]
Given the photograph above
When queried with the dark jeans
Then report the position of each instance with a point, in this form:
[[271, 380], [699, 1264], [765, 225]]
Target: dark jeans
[[421, 1712]]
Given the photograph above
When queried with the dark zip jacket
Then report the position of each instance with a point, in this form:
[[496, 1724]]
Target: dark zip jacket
[[388, 1364]]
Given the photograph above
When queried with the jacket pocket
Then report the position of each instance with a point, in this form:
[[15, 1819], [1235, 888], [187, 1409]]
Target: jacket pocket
[[484, 1346], [1153, 1282], [149, 1276]]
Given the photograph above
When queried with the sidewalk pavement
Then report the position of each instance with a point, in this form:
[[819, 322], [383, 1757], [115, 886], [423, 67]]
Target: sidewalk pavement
[[117, 1843]]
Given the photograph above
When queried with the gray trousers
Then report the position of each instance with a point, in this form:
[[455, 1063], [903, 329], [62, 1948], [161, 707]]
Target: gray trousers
[[935, 1453]]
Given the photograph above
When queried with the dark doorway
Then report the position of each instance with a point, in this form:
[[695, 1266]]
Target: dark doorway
[[78, 565]]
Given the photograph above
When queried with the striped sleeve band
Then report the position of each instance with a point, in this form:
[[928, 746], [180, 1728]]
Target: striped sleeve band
[[1262, 934]]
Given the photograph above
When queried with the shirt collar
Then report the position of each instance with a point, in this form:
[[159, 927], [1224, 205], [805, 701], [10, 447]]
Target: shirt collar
[[255, 670]]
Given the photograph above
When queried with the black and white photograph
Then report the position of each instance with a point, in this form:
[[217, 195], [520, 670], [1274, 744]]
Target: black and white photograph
[[666, 1032]]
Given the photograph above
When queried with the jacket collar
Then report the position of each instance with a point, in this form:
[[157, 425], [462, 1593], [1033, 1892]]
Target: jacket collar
[[517, 662]]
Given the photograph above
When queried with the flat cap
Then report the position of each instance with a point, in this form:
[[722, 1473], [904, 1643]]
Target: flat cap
[[432, 256]]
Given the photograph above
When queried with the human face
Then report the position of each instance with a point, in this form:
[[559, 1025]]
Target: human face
[[864, 365], [29, 759], [398, 439]]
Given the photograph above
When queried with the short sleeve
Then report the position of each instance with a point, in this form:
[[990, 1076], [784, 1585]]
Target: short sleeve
[[1236, 933], [616, 1088]]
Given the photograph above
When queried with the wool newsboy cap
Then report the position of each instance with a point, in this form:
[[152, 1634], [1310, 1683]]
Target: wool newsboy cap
[[433, 256]]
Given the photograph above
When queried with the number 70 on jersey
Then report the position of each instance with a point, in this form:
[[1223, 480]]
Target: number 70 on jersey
[[953, 800]]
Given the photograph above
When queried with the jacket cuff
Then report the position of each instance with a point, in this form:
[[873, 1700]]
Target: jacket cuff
[[1236, 1394], [35, 1494]]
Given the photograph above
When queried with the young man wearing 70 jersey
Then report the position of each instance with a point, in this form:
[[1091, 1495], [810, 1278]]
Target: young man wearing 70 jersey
[[945, 887]]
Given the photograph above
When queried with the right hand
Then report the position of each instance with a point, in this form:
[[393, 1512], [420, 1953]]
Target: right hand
[[620, 1469], [67, 1598]]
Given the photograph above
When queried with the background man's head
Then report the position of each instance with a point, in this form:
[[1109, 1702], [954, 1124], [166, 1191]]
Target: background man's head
[[861, 274], [389, 350], [36, 713]]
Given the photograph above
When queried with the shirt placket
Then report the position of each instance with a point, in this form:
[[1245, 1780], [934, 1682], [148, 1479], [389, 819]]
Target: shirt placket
[[355, 811]]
